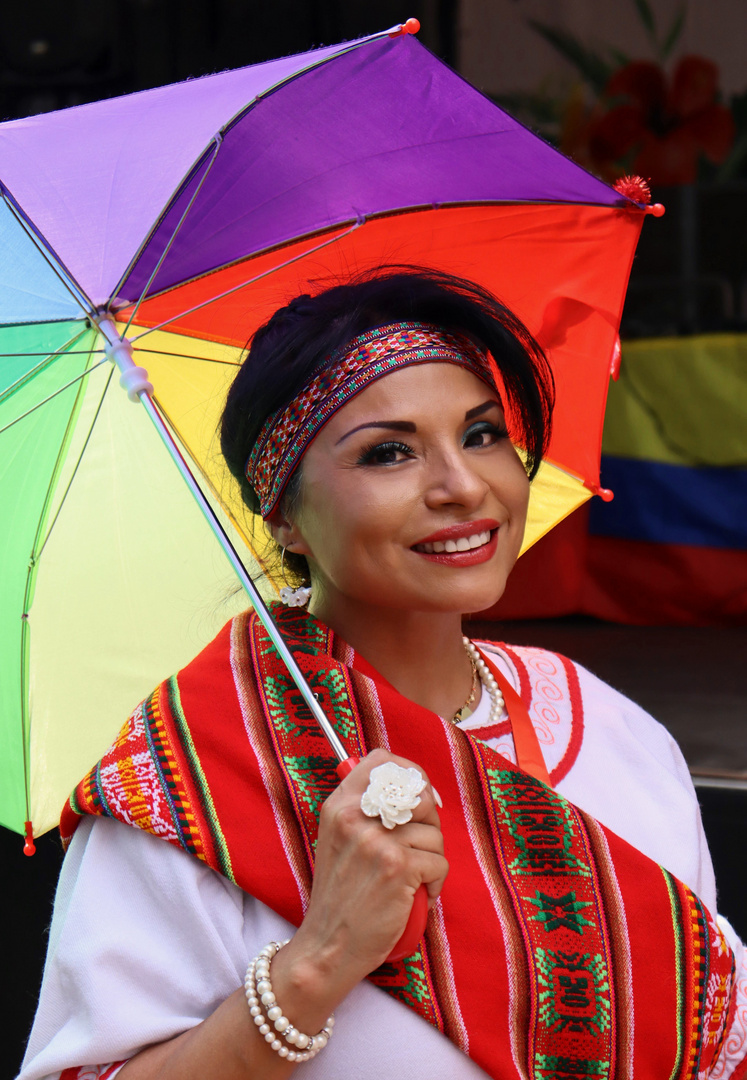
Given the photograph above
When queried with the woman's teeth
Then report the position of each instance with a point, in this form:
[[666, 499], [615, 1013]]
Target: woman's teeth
[[464, 543]]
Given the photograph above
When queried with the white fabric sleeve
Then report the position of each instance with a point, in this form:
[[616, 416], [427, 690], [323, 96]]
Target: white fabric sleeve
[[147, 941], [630, 774], [133, 958]]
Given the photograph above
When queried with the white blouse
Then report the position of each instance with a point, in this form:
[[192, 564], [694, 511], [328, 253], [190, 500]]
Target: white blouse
[[147, 941]]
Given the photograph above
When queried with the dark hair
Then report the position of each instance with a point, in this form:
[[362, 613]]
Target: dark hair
[[302, 338]]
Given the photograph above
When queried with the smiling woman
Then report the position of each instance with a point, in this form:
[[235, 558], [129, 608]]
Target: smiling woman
[[569, 933]]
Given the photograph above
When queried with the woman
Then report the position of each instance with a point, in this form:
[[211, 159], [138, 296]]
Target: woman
[[369, 425]]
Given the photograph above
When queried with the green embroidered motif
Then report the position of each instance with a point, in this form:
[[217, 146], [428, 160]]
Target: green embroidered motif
[[557, 911], [292, 716], [574, 991], [540, 823], [417, 987], [312, 779], [307, 634], [297, 720], [549, 1067], [406, 980], [331, 687]]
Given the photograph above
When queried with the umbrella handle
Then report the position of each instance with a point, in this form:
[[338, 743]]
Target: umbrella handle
[[415, 927]]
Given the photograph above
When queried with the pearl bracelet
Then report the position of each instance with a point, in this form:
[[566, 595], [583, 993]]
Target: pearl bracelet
[[258, 989]]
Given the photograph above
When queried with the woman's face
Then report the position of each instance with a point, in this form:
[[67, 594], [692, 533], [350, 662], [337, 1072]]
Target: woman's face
[[412, 497]]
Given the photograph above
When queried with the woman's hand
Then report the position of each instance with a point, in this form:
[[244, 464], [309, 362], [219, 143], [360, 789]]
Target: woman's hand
[[366, 877]]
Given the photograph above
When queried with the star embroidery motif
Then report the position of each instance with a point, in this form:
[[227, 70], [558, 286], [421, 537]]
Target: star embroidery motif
[[557, 911]]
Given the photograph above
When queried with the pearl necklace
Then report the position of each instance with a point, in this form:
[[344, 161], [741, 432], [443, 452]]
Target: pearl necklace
[[488, 680]]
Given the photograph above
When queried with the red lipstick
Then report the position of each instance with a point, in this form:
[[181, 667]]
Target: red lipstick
[[464, 558], [459, 529], [485, 528]]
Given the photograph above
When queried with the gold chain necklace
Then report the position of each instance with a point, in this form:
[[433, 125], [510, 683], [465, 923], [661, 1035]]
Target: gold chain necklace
[[458, 715], [481, 673]]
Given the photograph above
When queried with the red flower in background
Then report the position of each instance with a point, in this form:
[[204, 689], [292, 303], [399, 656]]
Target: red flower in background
[[661, 130]]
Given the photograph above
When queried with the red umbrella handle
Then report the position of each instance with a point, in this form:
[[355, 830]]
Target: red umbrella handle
[[415, 927]]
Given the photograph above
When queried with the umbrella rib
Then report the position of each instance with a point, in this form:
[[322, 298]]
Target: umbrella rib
[[398, 30], [53, 395], [30, 577], [218, 140], [51, 356], [48, 358], [54, 264], [251, 281], [24, 710], [77, 463], [121, 352]]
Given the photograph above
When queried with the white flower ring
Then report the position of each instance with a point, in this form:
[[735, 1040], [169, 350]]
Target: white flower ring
[[392, 794]]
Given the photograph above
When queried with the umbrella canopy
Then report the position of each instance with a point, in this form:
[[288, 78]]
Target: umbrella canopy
[[187, 215]]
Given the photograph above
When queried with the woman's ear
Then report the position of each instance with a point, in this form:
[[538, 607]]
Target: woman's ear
[[286, 533]]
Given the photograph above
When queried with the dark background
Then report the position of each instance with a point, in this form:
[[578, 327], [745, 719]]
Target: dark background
[[56, 53], [689, 276]]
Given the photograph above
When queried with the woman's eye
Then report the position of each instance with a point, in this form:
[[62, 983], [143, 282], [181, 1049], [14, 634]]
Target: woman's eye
[[484, 434], [386, 453]]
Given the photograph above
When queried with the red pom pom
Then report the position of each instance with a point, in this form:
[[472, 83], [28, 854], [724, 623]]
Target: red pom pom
[[635, 188]]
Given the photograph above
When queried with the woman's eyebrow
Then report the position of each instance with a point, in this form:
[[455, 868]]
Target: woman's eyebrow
[[408, 425], [480, 409], [392, 425]]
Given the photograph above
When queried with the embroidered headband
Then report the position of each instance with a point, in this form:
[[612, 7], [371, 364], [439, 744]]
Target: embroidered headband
[[286, 433]]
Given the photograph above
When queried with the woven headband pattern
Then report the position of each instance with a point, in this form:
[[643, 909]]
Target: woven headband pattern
[[287, 433]]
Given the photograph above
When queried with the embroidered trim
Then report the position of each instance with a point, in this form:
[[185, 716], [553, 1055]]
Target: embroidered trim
[[475, 801], [546, 860], [308, 769]]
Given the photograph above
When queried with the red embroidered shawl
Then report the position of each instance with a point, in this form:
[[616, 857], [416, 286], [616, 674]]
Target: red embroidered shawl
[[556, 952]]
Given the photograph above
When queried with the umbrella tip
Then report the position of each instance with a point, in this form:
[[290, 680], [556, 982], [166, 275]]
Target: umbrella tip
[[29, 847], [412, 26], [604, 493]]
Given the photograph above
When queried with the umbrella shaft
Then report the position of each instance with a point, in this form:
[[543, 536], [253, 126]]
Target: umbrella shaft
[[121, 354]]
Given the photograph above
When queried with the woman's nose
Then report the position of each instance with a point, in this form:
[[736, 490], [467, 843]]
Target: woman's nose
[[453, 478]]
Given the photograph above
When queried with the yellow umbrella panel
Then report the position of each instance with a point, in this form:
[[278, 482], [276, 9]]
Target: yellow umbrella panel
[[130, 585]]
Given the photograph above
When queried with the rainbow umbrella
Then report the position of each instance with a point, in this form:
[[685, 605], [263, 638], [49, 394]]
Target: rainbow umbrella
[[158, 230]]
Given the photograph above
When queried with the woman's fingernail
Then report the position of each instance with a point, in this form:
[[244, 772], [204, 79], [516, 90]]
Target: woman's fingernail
[[437, 798]]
